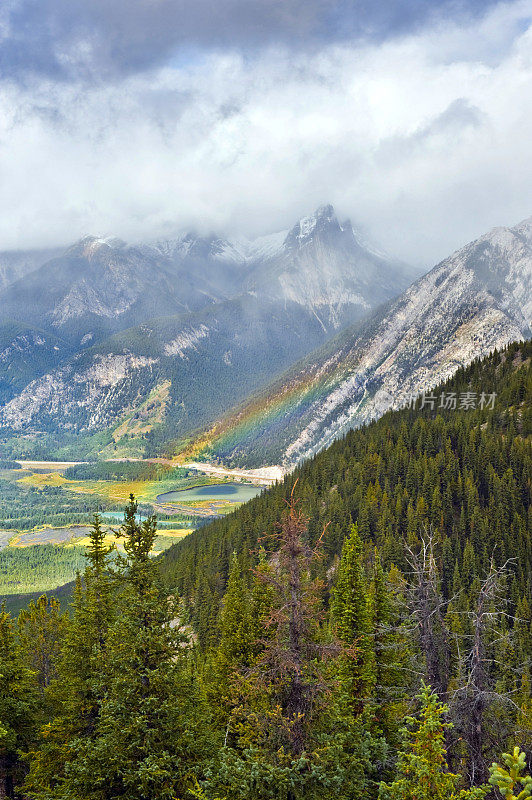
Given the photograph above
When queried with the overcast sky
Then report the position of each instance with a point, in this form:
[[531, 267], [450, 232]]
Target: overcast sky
[[143, 117]]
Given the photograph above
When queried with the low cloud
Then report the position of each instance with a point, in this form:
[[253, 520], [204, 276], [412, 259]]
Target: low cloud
[[423, 139]]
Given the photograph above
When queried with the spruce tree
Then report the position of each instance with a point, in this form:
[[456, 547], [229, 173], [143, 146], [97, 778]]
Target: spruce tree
[[151, 735], [237, 649], [18, 707], [422, 766], [391, 653], [60, 766], [41, 629], [292, 739], [511, 782], [351, 615]]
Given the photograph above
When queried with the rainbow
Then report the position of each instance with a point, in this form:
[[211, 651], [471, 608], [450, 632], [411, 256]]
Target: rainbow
[[268, 418]]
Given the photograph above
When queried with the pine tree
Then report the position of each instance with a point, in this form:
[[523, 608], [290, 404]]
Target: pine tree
[[18, 707], [237, 648], [422, 766], [41, 629], [292, 738], [391, 652], [511, 782], [151, 735], [60, 766], [351, 615], [293, 646], [238, 631]]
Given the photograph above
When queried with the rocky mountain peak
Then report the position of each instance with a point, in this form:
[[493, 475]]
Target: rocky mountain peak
[[323, 221], [90, 246], [524, 229], [195, 247]]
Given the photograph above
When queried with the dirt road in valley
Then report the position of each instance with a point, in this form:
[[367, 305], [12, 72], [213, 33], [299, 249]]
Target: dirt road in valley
[[265, 476]]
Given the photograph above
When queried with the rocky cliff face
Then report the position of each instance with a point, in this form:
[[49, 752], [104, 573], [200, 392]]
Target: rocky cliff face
[[477, 299], [327, 268], [217, 319]]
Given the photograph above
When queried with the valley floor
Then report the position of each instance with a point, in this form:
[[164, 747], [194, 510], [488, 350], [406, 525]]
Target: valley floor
[[43, 545]]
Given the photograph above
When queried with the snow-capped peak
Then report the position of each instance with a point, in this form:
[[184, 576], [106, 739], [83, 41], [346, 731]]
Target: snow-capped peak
[[307, 225], [304, 230], [236, 250], [87, 246]]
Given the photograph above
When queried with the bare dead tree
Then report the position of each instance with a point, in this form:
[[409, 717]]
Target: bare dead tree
[[291, 650], [427, 607], [476, 696]]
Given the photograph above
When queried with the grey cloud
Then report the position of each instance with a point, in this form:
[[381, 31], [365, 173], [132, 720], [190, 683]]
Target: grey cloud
[[424, 152], [460, 114], [100, 39], [458, 117]]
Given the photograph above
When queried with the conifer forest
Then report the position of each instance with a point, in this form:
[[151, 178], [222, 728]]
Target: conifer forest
[[360, 630], [266, 400]]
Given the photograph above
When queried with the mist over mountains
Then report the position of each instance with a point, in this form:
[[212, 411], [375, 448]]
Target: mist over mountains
[[478, 299], [200, 321], [264, 350]]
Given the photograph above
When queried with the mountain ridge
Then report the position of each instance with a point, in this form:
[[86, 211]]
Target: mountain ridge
[[477, 299], [251, 320]]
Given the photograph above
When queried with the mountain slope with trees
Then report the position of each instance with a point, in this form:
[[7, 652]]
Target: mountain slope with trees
[[463, 471], [362, 629], [443, 493], [474, 301]]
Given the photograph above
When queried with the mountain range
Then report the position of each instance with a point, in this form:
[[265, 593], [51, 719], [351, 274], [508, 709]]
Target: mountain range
[[478, 299], [247, 352], [175, 333]]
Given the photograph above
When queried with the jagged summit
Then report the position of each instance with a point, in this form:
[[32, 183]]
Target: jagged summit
[[478, 299], [236, 249], [236, 310], [524, 228], [242, 249], [323, 220]]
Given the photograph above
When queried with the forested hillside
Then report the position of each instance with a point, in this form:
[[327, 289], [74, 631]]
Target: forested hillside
[[464, 473], [442, 490], [362, 630]]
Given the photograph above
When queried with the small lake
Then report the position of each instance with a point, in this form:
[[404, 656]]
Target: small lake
[[118, 516], [232, 492]]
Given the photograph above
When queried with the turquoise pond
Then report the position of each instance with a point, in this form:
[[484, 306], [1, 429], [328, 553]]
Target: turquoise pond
[[232, 492], [118, 516]]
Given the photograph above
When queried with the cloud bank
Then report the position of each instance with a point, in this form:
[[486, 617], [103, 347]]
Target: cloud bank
[[90, 39], [422, 136]]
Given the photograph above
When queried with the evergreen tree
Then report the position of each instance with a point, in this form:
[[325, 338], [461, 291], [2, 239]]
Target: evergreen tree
[[292, 738], [18, 708], [422, 766], [151, 735], [60, 767], [41, 629], [240, 630], [511, 782], [391, 653], [351, 614]]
